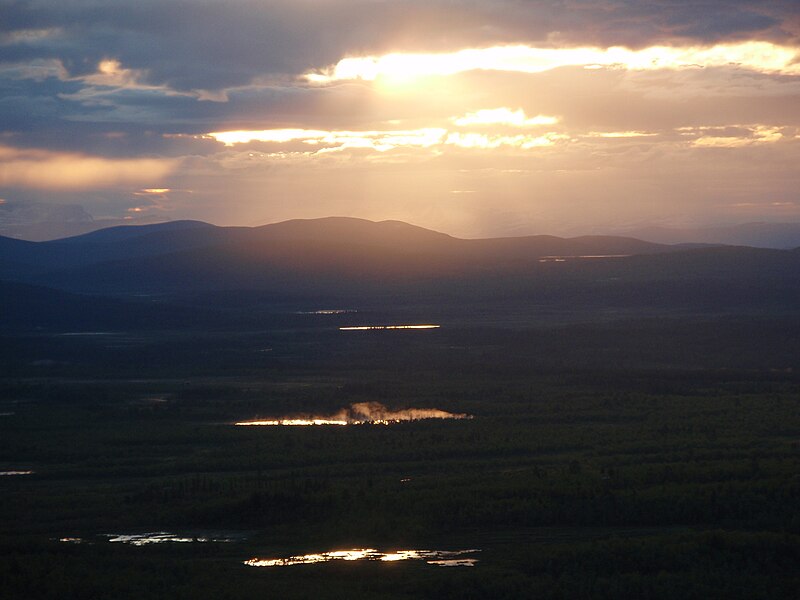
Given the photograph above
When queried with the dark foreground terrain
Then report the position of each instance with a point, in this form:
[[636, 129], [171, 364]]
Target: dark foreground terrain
[[635, 430], [644, 458]]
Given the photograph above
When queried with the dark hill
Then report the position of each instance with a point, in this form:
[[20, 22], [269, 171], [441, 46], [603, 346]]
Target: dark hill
[[358, 259], [348, 229], [27, 261], [122, 233], [334, 236]]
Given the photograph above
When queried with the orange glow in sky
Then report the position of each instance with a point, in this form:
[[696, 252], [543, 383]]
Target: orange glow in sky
[[765, 57], [476, 118]]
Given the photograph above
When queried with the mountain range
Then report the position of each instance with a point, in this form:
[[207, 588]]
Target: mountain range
[[388, 262], [195, 255], [43, 221], [760, 235]]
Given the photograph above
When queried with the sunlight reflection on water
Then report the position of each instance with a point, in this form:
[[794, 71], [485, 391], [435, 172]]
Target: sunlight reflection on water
[[441, 558], [86, 333], [379, 327], [293, 422], [327, 311], [361, 413], [160, 537], [547, 259]]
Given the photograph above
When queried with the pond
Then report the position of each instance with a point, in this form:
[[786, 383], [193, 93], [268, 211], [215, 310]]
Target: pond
[[359, 413], [439, 558]]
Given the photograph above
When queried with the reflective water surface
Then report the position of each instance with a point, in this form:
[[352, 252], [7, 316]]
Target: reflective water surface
[[293, 422], [546, 259], [361, 413], [161, 537], [441, 558], [87, 333], [374, 327], [327, 311]]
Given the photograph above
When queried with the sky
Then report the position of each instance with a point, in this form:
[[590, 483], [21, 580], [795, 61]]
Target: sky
[[473, 117]]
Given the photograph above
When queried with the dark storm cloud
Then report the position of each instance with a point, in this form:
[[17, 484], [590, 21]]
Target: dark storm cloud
[[189, 45], [638, 23], [217, 48], [62, 115]]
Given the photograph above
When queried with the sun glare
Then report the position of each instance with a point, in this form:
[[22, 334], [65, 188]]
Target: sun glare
[[764, 57]]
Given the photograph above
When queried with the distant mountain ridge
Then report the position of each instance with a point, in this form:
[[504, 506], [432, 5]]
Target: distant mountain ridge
[[340, 257], [308, 245], [118, 233], [760, 235], [44, 221]]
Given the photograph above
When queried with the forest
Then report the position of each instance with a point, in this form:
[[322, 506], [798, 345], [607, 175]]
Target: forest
[[649, 458]]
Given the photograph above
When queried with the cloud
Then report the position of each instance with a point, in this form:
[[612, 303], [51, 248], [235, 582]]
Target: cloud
[[736, 136], [555, 110], [191, 45], [40, 169], [337, 140], [763, 57], [437, 139], [619, 134], [503, 116], [427, 137]]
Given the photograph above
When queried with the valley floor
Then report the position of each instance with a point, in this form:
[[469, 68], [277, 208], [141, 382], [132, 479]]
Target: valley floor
[[636, 459]]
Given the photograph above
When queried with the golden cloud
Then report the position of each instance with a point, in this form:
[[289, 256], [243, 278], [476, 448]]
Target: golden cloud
[[619, 134], [503, 116], [425, 137], [742, 136], [376, 140], [43, 169], [473, 132], [764, 57]]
